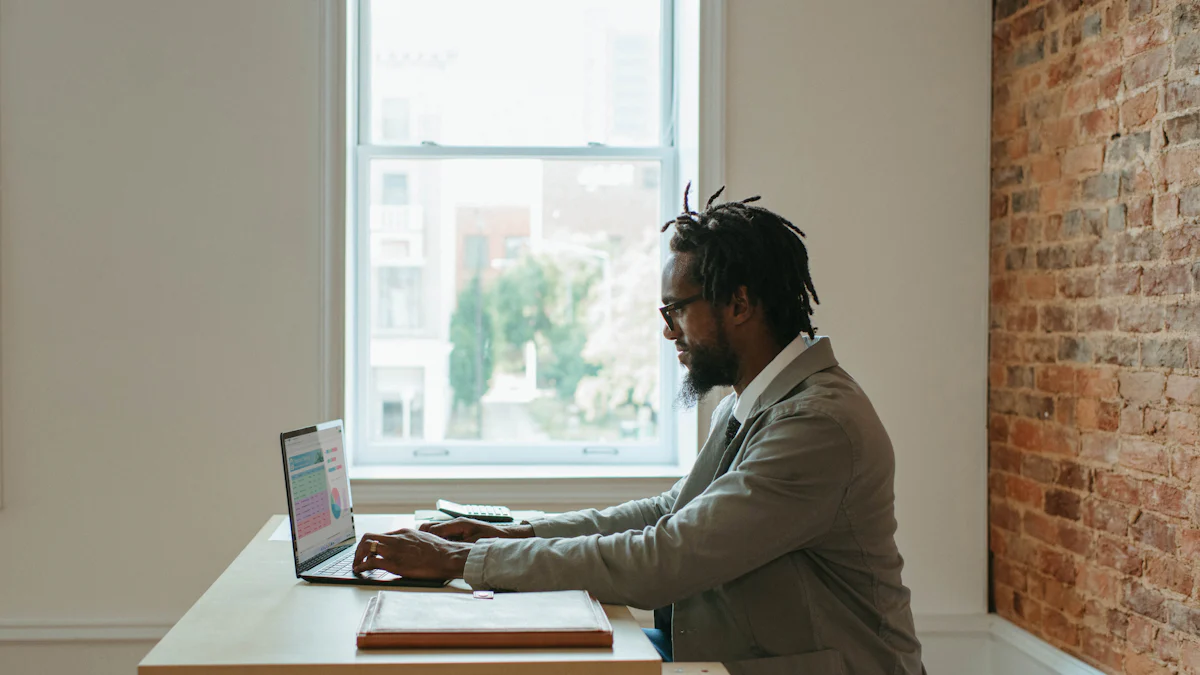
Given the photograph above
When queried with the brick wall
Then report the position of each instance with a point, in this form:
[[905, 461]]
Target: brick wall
[[1094, 379]]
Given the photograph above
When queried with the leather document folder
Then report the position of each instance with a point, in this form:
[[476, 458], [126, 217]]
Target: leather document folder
[[440, 619]]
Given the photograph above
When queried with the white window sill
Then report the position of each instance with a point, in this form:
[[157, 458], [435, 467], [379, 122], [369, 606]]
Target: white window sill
[[546, 488]]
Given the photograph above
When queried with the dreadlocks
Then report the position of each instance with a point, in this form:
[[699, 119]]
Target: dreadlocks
[[734, 244]]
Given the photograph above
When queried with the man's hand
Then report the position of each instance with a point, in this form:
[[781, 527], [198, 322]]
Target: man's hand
[[465, 529], [409, 553]]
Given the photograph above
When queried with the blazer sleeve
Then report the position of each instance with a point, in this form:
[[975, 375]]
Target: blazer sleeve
[[632, 515], [784, 495]]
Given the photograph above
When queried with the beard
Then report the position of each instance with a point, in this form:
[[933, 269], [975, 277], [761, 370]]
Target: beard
[[712, 366]]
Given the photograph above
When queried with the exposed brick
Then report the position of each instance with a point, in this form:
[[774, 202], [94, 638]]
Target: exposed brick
[[1145, 36], [1166, 210], [1063, 504], [1166, 280], [1130, 147], [1182, 242], [1116, 217], [1183, 389], [1187, 51], [1073, 476], [1099, 647], [1161, 498], [1084, 159], [1107, 516], [1140, 8], [1029, 53], [1144, 455], [1184, 317], [1182, 94], [1099, 447], [1142, 318], [1096, 382], [1185, 17], [1145, 664], [1140, 109], [1117, 350], [1144, 601], [1124, 280], [1096, 252], [1006, 8], [1093, 414], [1025, 202], [1145, 68], [1096, 317], [1140, 633], [1183, 427], [1183, 617], [1056, 565], [1140, 213], [1024, 491], [1119, 555], [1144, 387], [1182, 165], [1046, 169], [1076, 223], [1054, 258], [1074, 349], [1189, 543], [1056, 319], [1165, 572], [1101, 187], [1135, 246], [1117, 487], [1153, 531], [1099, 124], [1074, 286], [1164, 353]]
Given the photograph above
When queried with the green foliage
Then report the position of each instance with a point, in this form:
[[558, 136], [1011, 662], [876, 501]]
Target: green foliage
[[542, 300], [471, 359]]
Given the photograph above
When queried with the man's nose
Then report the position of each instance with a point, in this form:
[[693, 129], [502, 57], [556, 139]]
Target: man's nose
[[671, 334]]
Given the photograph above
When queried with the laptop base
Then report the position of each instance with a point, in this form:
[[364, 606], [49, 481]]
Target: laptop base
[[357, 581]]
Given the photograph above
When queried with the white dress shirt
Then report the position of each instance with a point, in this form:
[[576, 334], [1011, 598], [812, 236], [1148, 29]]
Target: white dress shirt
[[745, 402]]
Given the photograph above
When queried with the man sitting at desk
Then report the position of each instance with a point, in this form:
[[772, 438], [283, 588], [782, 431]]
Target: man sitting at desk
[[776, 554]]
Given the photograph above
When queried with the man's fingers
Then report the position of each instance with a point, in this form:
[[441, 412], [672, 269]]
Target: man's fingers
[[364, 558]]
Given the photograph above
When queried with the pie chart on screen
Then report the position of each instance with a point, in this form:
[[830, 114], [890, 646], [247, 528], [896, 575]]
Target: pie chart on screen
[[335, 503]]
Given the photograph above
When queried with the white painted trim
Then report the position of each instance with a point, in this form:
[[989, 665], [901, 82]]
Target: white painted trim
[[332, 206], [712, 96], [1039, 650], [400, 495]]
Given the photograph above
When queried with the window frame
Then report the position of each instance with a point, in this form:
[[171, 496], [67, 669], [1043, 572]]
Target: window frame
[[677, 440]]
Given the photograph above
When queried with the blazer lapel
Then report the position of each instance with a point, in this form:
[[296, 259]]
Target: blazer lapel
[[817, 357]]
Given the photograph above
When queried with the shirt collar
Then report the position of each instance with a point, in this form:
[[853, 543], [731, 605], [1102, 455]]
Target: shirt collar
[[745, 402]]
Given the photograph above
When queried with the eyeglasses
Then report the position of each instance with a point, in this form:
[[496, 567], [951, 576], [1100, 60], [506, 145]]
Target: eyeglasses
[[668, 311]]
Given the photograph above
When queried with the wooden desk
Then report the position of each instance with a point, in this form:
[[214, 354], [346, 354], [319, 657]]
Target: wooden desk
[[259, 619]]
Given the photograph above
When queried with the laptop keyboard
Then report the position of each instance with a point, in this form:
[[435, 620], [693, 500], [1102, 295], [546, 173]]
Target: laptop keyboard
[[343, 566]]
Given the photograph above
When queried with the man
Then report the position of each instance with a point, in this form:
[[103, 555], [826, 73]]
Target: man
[[776, 554]]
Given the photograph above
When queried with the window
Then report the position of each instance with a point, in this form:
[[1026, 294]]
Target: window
[[395, 190], [512, 174]]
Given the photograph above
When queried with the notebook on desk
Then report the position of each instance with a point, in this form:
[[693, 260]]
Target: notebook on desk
[[483, 619], [322, 518]]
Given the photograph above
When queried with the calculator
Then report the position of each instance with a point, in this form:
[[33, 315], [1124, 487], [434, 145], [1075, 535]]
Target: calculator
[[488, 514]]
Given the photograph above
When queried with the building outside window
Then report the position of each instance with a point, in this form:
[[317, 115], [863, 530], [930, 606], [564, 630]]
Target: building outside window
[[512, 176]]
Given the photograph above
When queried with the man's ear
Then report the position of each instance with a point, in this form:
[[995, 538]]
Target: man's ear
[[741, 307]]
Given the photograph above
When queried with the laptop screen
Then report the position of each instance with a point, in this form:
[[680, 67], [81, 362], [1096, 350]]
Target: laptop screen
[[319, 489]]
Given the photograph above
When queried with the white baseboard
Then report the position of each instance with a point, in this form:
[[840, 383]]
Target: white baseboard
[[990, 642], [1055, 660], [16, 631]]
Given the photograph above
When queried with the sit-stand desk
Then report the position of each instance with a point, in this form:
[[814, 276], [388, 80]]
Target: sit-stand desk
[[259, 619]]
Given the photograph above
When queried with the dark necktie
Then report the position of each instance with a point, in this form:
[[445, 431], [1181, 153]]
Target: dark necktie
[[731, 430]]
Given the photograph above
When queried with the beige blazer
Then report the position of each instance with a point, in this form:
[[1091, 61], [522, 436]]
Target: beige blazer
[[777, 553]]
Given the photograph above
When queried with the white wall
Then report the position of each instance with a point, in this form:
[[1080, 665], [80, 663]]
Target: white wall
[[159, 272], [160, 276], [867, 125]]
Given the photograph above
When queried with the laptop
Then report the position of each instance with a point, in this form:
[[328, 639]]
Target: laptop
[[318, 490]]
